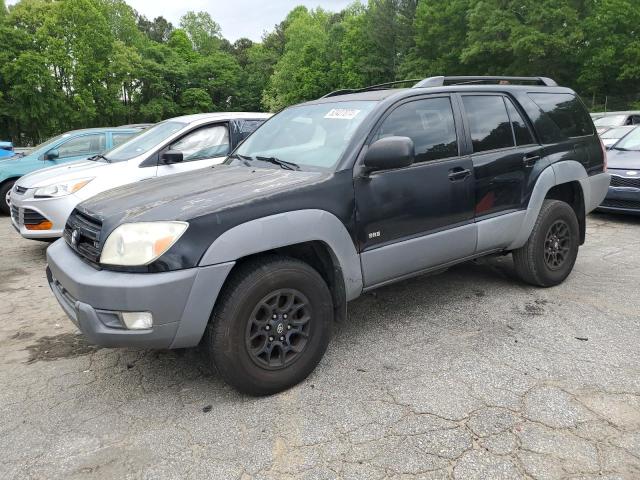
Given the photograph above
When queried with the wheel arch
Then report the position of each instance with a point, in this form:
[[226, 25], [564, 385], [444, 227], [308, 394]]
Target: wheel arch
[[316, 236], [566, 181], [6, 181]]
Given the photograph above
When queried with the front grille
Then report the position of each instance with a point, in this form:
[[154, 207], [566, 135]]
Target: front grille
[[26, 216], [87, 236], [617, 181], [31, 217], [629, 204]]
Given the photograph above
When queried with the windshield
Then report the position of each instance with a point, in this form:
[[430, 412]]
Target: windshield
[[617, 132], [312, 136], [144, 141], [47, 143], [630, 142], [610, 121]]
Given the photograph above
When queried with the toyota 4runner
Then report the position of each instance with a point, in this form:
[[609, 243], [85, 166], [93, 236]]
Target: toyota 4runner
[[256, 257]]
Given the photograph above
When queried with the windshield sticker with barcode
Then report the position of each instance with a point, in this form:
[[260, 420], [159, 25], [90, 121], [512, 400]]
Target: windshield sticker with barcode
[[342, 113]]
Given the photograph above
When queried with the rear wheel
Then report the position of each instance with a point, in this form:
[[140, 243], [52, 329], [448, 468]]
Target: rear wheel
[[551, 251], [271, 325], [5, 191]]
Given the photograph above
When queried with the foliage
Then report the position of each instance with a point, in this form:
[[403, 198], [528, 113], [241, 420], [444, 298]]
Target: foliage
[[77, 63]]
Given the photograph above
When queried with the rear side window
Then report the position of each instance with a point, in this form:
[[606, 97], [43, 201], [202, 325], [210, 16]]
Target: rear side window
[[244, 128], [488, 122], [566, 111], [119, 138], [520, 129], [429, 123]]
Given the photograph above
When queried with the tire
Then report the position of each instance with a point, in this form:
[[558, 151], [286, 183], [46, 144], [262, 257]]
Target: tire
[[550, 253], [256, 291], [5, 188]]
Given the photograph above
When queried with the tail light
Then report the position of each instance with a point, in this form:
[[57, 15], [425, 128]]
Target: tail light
[[604, 155]]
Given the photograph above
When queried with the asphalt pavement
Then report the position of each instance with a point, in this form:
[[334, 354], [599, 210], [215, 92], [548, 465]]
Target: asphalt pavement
[[468, 375]]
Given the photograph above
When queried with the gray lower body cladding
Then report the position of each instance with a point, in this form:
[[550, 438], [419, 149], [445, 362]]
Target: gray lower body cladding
[[179, 301]]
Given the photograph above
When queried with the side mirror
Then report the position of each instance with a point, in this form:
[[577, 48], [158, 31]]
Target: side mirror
[[52, 154], [171, 156], [389, 153]]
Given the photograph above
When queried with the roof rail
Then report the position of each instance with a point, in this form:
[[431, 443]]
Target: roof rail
[[379, 86], [441, 81]]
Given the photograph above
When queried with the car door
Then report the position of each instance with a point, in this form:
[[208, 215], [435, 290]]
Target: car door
[[77, 148], [504, 153], [202, 147], [419, 217]]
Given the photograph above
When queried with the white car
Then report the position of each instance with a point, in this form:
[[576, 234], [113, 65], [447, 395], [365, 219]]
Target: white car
[[615, 134], [42, 201]]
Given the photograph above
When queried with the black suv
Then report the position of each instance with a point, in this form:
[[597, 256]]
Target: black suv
[[255, 258]]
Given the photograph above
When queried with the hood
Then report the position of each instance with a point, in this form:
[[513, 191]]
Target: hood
[[186, 196], [9, 159], [63, 173], [622, 159]]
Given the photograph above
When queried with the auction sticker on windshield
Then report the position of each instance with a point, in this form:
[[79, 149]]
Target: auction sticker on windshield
[[343, 113]]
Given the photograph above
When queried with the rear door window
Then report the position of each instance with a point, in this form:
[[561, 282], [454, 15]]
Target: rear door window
[[520, 129], [566, 112], [489, 123]]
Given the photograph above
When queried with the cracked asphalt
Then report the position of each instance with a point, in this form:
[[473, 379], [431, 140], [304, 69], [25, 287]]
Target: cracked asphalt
[[467, 375]]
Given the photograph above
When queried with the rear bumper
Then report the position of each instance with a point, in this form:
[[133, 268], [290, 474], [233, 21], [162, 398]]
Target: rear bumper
[[598, 186], [179, 301]]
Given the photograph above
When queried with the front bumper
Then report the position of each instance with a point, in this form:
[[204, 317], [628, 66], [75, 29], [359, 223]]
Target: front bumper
[[54, 210], [180, 301], [623, 196]]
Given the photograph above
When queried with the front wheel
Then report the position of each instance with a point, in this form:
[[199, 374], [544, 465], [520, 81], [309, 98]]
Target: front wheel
[[548, 256], [271, 325], [5, 192]]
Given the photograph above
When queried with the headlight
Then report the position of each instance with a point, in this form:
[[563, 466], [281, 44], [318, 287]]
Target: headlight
[[136, 244], [61, 189]]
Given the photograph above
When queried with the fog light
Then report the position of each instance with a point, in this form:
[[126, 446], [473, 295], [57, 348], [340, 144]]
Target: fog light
[[46, 225], [137, 320]]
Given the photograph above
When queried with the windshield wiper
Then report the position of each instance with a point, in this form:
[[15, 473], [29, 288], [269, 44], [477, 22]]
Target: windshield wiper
[[245, 160], [282, 163], [95, 158], [621, 149]]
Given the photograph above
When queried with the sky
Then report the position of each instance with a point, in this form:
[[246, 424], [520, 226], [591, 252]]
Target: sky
[[238, 18]]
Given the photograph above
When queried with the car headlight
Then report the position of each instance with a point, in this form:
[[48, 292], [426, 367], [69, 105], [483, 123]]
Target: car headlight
[[137, 244], [61, 189]]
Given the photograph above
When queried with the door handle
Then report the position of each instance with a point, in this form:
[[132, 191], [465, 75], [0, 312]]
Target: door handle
[[458, 173], [530, 159]]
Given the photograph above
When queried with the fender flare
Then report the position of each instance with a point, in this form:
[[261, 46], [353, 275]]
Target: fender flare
[[290, 228], [555, 174]]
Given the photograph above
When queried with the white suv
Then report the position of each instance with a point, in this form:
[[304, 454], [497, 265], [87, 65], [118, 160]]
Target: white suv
[[42, 201]]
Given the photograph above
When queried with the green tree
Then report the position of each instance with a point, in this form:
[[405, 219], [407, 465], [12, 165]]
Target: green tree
[[159, 29], [441, 28], [301, 73], [195, 100], [609, 59], [202, 30]]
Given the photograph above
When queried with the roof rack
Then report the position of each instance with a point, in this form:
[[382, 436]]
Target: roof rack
[[441, 81], [379, 86]]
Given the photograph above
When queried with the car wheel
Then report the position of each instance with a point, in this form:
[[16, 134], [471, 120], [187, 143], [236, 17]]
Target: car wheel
[[5, 191], [270, 326], [551, 251]]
